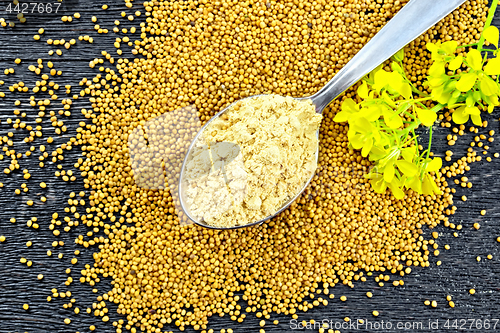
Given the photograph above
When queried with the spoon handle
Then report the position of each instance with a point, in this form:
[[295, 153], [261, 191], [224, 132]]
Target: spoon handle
[[410, 22]]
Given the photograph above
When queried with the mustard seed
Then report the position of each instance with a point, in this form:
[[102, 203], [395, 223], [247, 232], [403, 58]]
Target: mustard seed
[[134, 93]]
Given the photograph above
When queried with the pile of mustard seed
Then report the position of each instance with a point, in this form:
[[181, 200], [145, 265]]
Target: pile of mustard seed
[[338, 231]]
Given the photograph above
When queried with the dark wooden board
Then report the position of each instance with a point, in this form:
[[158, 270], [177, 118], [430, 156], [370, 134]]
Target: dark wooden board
[[18, 284]]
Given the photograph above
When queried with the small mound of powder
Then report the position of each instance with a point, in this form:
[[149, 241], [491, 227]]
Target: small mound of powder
[[252, 160]]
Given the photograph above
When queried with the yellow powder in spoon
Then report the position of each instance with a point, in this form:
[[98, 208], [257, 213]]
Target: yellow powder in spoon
[[252, 160]]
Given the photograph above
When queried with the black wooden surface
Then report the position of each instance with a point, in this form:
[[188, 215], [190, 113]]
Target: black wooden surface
[[458, 273]]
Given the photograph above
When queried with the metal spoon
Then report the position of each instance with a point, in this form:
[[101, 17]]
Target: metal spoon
[[415, 18]]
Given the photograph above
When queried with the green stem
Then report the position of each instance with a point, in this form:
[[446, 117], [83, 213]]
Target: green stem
[[489, 19], [406, 142], [422, 99], [416, 140], [437, 108], [430, 142], [468, 45], [487, 50], [410, 115], [413, 88], [427, 152], [418, 92], [413, 126], [454, 106]]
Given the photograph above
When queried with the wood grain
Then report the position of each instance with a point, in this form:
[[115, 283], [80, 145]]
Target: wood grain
[[18, 284]]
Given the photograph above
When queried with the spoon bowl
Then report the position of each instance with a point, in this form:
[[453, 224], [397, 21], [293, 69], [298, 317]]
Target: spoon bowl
[[182, 184], [410, 22]]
